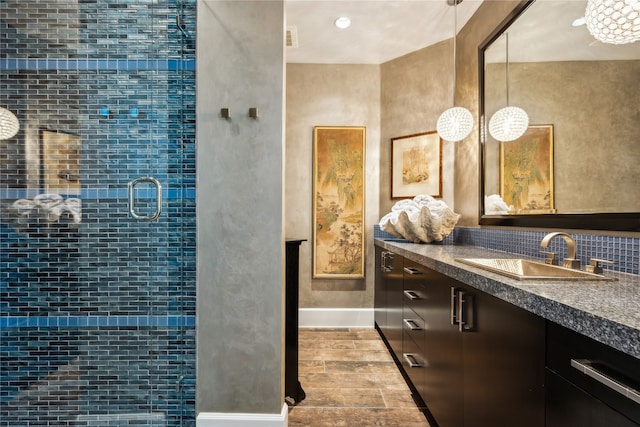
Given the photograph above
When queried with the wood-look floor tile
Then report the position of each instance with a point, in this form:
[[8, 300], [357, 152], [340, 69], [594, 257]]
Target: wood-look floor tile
[[311, 366], [343, 354], [370, 345], [351, 380], [358, 367], [356, 417], [326, 343], [398, 398], [341, 380], [345, 398]]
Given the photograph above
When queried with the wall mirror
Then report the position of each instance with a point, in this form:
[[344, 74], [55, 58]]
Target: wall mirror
[[576, 166]]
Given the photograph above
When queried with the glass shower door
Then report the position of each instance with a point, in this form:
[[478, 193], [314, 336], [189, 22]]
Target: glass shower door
[[97, 213]]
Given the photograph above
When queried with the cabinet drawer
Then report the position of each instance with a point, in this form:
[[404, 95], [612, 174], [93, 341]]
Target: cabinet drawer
[[413, 362], [414, 293], [413, 326], [414, 296], [605, 373]]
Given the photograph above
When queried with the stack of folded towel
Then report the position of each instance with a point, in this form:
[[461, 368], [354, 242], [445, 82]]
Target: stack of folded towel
[[47, 206]]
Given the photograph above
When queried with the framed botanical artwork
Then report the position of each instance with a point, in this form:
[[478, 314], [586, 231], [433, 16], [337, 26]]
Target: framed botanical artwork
[[338, 202], [60, 162], [416, 165], [526, 171]]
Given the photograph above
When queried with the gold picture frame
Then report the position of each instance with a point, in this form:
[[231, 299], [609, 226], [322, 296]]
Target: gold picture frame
[[338, 202], [60, 154], [416, 165], [526, 171]]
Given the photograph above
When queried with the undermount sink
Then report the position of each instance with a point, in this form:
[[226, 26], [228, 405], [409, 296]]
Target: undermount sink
[[524, 269]]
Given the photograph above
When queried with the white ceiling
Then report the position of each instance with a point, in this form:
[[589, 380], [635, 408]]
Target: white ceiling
[[381, 30]]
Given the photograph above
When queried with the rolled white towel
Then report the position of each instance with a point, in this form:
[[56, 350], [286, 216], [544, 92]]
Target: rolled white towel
[[74, 207], [23, 206], [495, 205]]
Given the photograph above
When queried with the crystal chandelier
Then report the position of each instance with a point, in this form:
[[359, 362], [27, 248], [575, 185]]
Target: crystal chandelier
[[508, 123], [614, 21], [456, 123], [9, 125]]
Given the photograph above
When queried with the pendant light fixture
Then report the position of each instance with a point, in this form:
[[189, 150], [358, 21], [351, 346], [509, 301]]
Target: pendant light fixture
[[9, 124], [614, 21], [508, 123], [456, 123]]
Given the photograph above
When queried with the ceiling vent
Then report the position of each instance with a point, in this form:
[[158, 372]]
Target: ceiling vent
[[292, 36]]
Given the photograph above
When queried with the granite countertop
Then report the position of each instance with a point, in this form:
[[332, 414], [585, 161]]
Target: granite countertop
[[607, 311]]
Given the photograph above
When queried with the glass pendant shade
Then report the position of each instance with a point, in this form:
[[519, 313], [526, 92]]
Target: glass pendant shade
[[508, 124], [614, 21], [455, 124], [9, 124]]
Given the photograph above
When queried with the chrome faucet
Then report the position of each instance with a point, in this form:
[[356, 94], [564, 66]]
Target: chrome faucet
[[570, 261]]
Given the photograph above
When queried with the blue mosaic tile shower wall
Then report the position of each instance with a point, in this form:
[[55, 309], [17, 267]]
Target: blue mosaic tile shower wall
[[97, 309]]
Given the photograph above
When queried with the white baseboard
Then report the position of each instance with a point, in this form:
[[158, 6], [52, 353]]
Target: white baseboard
[[220, 419], [336, 318]]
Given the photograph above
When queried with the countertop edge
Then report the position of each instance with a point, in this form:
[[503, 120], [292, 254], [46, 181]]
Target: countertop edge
[[598, 327]]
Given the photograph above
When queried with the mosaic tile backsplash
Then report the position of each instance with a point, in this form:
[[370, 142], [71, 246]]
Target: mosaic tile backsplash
[[623, 251], [97, 310]]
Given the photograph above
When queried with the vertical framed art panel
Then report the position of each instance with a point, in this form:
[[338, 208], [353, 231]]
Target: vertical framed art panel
[[60, 162], [416, 165], [526, 171], [338, 202]]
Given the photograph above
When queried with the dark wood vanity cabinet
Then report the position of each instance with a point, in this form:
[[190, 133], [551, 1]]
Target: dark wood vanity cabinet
[[475, 360]]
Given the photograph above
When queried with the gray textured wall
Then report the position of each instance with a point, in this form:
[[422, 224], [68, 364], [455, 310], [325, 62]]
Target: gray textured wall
[[329, 95], [240, 64], [415, 89]]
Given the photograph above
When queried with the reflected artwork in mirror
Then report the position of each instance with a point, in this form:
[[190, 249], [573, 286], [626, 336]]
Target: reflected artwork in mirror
[[588, 92]]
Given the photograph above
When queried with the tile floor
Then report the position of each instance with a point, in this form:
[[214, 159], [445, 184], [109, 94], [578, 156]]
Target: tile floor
[[351, 380]]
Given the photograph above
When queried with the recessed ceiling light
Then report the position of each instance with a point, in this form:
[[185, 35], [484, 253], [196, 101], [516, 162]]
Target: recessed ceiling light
[[343, 22]]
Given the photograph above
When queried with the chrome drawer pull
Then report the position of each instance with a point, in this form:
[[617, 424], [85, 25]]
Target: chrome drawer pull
[[411, 360], [411, 324], [411, 295], [411, 270], [585, 366]]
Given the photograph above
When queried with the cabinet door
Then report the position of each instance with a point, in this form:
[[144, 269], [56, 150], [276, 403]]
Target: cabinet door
[[393, 287], [569, 406], [503, 363], [380, 297], [443, 353]]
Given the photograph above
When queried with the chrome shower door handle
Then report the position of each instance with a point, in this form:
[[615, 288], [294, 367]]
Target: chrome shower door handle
[[131, 190]]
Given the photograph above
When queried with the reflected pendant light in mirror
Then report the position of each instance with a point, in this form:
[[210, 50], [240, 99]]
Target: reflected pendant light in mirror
[[456, 123], [508, 123], [614, 21], [9, 124]]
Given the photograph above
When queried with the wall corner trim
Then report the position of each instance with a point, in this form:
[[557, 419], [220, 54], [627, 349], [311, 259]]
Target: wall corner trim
[[336, 318], [221, 419]]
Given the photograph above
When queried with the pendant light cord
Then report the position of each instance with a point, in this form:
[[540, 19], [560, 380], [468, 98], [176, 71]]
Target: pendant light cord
[[455, 36], [507, 65]]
